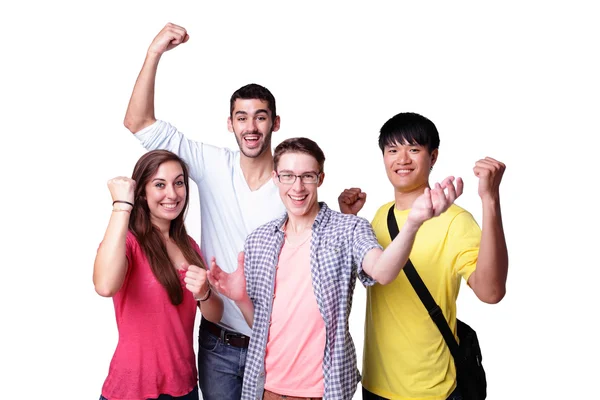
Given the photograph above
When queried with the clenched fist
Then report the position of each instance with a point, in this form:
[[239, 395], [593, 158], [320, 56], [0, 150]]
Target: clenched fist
[[168, 38], [122, 188]]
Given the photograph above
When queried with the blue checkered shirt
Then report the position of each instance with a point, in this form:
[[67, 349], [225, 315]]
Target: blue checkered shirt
[[339, 243]]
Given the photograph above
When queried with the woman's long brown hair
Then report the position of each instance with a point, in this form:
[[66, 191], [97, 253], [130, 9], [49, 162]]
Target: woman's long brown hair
[[149, 236]]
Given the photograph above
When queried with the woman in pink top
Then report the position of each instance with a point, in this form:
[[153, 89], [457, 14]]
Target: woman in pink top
[[156, 276]]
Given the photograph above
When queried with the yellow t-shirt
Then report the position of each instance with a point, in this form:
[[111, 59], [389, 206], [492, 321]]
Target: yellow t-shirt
[[405, 355]]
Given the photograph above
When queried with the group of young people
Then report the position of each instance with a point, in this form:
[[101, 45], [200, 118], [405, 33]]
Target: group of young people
[[276, 268]]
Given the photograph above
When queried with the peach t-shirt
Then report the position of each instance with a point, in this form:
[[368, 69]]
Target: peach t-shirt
[[296, 343]]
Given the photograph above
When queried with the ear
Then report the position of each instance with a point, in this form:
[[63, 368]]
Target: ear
[[276, 123], [229, 124], [274, 176], [434, 156], [321, 179]]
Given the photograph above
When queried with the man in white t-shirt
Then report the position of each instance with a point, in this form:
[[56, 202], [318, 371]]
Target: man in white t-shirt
[[236, 193]]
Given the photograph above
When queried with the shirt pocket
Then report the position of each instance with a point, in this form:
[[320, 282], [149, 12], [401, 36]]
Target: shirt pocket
[[335, 269]]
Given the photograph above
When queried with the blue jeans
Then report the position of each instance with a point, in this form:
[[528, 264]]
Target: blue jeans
[[220, 368], [366, 395], [193, 395]]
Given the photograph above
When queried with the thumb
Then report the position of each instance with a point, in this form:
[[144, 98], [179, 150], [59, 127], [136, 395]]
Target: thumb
[[185, 266], [241, 257]]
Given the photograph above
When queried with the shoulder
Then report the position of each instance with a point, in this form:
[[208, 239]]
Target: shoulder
[[382, 211], [131, 241], [457, 214], [194, 243], [344, 223], [266, 230]]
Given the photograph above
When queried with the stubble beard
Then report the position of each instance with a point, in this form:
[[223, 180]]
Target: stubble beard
[[255, 153]]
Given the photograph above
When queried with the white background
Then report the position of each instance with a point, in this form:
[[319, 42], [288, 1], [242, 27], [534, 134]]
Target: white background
[[517, 81]]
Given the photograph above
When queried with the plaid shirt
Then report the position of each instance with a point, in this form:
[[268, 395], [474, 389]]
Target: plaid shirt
[[339, 243]]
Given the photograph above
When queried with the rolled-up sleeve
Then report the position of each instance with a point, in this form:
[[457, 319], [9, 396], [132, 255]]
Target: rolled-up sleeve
[[363, 240]]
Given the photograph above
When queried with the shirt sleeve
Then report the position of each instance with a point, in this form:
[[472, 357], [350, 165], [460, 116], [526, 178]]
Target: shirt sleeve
[[464, 236], [248, 269], [163, 135], [363, 241]]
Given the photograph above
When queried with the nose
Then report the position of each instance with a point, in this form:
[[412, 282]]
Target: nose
[[402, 157], [171, 192], [251, 125], [298, 185]]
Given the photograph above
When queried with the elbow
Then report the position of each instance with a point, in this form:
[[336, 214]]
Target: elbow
[[131, 124], [494, 297], [105, 290], [383, 280], [136, 124]]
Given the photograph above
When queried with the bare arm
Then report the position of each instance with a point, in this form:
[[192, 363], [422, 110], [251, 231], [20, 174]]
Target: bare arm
[[140, 111], [384, 266], [110, 265], [488, 281]]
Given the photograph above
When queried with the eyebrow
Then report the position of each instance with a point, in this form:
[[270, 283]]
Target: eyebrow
[[287, 171], [162, 179], [259, 111]]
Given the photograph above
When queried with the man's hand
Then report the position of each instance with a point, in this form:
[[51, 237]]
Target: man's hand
[[433, 202], [231, 285], [168, 38], [351, 201], [489, 172]]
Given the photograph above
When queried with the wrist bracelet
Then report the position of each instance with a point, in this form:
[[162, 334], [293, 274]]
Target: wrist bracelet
[[121, 209], [206, 296], [122, 201]]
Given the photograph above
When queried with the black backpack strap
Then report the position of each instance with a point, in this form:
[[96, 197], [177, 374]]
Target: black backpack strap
[[417, 283]]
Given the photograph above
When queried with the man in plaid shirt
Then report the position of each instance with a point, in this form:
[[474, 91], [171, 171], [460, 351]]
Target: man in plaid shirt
[[296, 277]]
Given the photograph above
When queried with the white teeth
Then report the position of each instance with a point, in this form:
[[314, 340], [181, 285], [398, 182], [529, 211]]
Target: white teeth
[[170, 206], [402, 171], [298, 198]]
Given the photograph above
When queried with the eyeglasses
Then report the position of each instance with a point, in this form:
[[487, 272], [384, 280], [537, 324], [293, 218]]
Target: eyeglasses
[[289, 179]]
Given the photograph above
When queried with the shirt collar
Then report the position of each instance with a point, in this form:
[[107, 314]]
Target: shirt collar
[[322, 216]]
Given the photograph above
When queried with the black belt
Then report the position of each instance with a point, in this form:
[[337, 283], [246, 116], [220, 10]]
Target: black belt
[[228, 337]]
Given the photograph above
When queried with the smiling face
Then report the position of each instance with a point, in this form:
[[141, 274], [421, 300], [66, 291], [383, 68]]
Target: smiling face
[[166, 194], [252, 123], [408, 166], [300, 199]]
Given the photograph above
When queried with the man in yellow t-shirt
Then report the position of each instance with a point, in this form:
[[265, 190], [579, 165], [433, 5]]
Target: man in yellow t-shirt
[[405, 355]]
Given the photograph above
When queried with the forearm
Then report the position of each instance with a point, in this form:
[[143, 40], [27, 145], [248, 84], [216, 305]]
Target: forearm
[[110, 265], [247, 308], [490, 276], [212, 307], [385, 266], [140, 111]]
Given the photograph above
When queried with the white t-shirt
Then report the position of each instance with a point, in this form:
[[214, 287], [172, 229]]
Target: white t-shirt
[[229, 210]]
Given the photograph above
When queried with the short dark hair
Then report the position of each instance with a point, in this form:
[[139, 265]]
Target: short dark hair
[[409, 128], [253, 91], [299, 145]]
